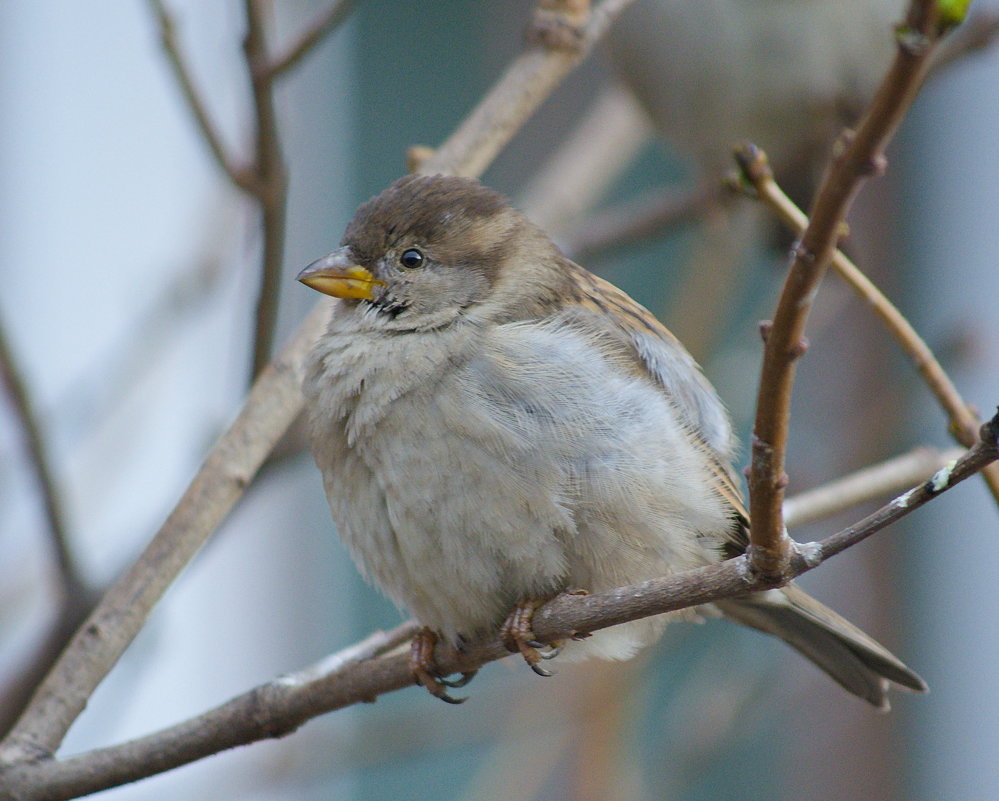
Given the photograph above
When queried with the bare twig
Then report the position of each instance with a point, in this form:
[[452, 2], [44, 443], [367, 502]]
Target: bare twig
[[20, 400], [520, 90], [963, 420], [73, 597], [586, 162], [865, 485], [985, 452], [859, 155], [272, 405], [325, 23], [240, 175], [640, 219], [263, 177], [280, 706], [270, 185]]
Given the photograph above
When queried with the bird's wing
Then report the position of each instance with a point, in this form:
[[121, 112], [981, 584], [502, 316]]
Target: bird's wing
[[649, 348]]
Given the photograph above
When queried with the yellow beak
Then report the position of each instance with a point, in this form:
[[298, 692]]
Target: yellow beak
[[337, 275]]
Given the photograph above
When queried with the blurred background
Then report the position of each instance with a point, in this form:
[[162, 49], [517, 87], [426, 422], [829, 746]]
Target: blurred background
[[128, 274]]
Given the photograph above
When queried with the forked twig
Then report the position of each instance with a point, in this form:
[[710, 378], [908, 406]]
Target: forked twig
[[859, 155], [963, 421]]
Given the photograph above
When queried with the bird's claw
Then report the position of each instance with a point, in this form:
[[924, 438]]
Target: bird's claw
[[466, 677], [518, 636], [424, 669]]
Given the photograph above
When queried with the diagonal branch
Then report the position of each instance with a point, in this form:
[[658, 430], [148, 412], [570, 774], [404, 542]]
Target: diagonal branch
[[20, 399], [74, 598], [866, 484], [586, 162], [239, 175], [643, 218], [272, 405], [322, 26], [528, 81], [963, 420], [279, 707], [859, 154]]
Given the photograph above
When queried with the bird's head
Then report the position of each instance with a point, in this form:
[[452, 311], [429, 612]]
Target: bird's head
[[429, 248]]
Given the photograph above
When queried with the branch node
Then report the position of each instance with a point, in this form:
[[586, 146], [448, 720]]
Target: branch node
[[736, 183], [766, 326], [761, 447], [753, 163], [560, 24], [770, 565], [797, 350], [940, 480], [876, 165], [911, 41], [842, 143], [809, 552], [417, 155], [803, 254], [989, 432]]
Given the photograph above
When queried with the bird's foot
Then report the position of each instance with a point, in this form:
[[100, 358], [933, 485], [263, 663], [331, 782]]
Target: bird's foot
[[518, 636], [424, 669]]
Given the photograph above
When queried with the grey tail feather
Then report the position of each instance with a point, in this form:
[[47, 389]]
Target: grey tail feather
[[858, 663]]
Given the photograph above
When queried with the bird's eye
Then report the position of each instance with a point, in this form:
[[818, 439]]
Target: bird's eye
[[411, 259]]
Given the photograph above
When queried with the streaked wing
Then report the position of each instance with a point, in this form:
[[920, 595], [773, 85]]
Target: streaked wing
[[653, 350]]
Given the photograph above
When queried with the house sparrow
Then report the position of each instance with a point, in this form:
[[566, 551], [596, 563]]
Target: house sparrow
[[785, 75], [496, 425]]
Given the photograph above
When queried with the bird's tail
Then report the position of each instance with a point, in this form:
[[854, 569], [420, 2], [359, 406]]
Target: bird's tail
[[857, 662]]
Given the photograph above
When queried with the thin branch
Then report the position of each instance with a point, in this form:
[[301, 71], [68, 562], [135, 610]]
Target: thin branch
[[240, 176], [640, 219], [270, 186], [74, 598], [322, 26], [866, 485], [587, 160], [20, 400], [859, 155], [529, 80], [264, 178], [272, 405], [963, 420], [985, 452], [279, 707]]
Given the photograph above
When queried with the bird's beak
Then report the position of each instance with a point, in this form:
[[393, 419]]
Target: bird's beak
[[336, 274]]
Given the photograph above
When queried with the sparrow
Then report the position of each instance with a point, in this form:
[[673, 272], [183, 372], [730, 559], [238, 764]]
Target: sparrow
[[787, 76], [495, 425]]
